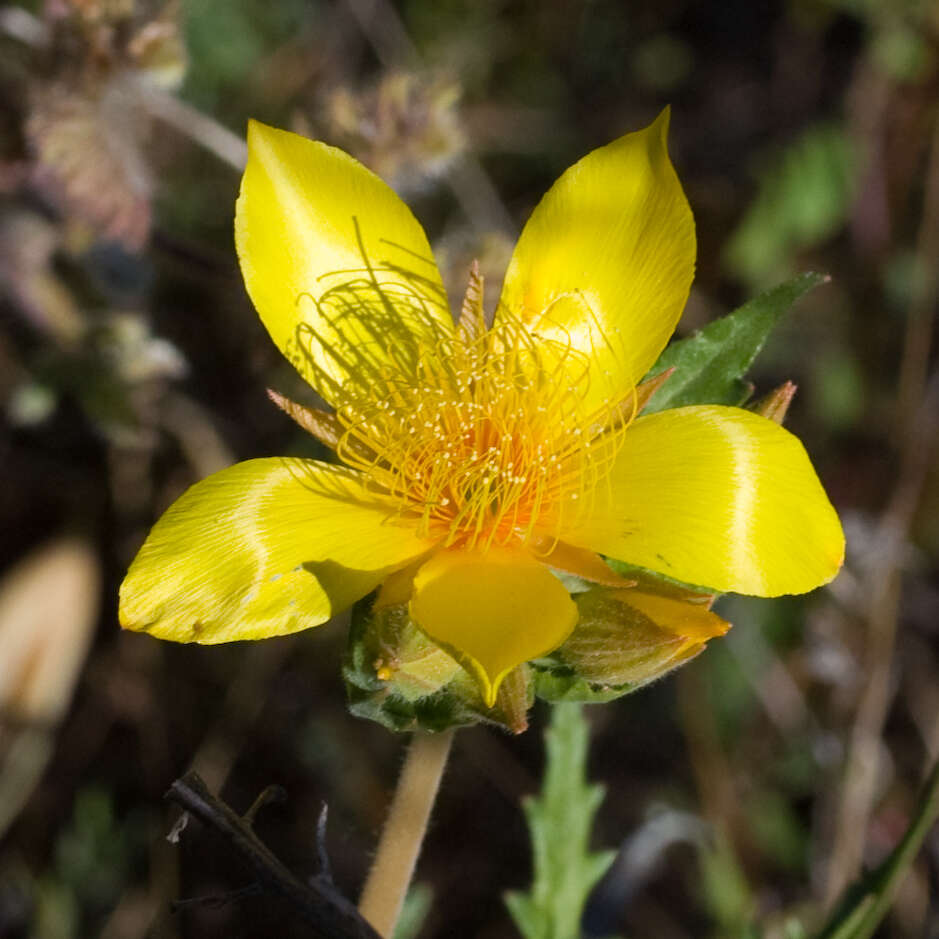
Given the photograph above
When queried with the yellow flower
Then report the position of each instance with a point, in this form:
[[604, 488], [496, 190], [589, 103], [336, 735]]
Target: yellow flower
[[475, 460]]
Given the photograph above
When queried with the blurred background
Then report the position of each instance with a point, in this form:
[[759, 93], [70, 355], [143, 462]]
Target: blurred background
[[752, 784]]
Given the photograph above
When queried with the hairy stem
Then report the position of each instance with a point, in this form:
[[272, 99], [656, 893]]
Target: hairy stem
[[404, 830]]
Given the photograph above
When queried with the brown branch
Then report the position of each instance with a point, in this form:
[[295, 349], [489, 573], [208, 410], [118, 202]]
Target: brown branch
[[318, 902]]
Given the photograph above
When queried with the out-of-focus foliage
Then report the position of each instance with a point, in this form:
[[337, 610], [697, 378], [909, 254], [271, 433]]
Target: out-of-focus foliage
[[87, 127], [802, 199], [406, 128]]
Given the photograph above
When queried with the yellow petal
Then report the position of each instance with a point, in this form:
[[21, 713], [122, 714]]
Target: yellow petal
[[263, 548], [607, 258], [338, 268], [492, 611], [719, 497]]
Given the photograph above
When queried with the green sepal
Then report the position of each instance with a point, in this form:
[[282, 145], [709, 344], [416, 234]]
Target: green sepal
[[560, 819], [425, 688], [555, 681], [710, 365], [655, 582]]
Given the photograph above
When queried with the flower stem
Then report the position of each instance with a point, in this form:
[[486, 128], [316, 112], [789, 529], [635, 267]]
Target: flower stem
[[403, 834]]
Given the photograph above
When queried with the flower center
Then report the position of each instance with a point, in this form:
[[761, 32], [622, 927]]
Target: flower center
[[487, 439]]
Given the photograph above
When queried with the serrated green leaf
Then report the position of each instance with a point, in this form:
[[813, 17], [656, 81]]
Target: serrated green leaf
[[710, 365], [559, 821]]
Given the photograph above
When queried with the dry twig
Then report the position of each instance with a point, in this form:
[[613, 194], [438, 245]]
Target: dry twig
[[318, 901]]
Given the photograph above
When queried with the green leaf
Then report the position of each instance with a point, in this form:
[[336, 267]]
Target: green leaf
[[866, 902], [559, 820], [710, 365]]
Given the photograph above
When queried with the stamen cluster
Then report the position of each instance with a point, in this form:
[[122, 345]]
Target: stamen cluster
[[486, 438]]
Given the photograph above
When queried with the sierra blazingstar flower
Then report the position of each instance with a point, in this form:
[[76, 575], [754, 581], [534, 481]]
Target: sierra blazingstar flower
[[477, 461]]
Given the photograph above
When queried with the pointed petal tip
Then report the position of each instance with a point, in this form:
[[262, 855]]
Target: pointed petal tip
[[259, 131], [256, 135], [307, 217], [663, 121], [606, 260]]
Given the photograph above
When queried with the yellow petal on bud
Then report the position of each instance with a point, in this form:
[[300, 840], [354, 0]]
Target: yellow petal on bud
[[690, 621], [626, 636]]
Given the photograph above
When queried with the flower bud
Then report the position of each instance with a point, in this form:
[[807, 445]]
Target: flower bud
[[632, 637], [396, 675], [406, 657]]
